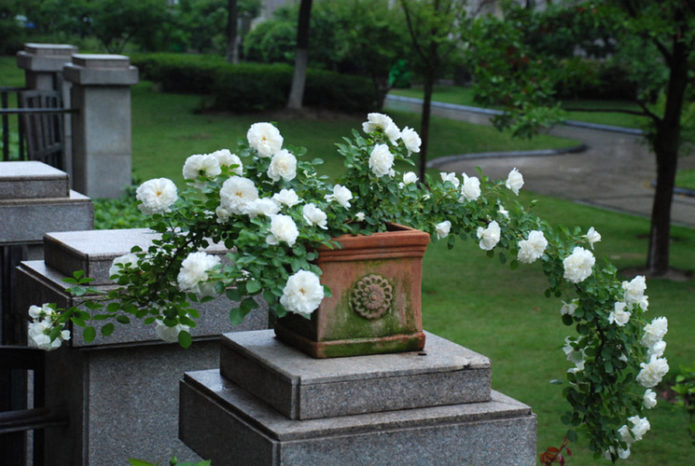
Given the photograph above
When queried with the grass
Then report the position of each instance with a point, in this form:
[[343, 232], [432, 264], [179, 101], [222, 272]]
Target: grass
[[465, 96], [467, 297], [163, 139], [686, 179]]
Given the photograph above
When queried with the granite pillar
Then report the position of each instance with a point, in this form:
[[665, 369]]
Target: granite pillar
[[43, 70], [270, 404], [120, 390], [101, 128]]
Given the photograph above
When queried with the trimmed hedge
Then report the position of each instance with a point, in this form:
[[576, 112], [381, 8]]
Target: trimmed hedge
[[253, 86]]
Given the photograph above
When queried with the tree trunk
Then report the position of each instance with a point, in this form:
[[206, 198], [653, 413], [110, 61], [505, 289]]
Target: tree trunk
[[665, 144], [301, 58], [232, 53], [425, 122]]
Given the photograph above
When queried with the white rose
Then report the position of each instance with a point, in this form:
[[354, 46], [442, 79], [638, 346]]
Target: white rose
[[625, 434], [655, 331], [265, 138], [360, 216], [37, 336], [169, 334], [237, 193], [41, 312], [578, 265], [515, 181], [376, 121], [302, 293], [442, 229], [263, 206], [283, 165], [287, 197], [314, 216], [657, 349], [634, 292], [623, 454], [193, 274], [380, 160], [226, 159], [619, 316], [470, 190], [532, 248], [490, 236], [282, 228], [649, 399], [451, 178], [125, 261], [568, 308], [592, 236], [640, 426], [341, 195], [156, 195], [393, 133], [411, 140], [652, 372], [204, 165], [409, 178]]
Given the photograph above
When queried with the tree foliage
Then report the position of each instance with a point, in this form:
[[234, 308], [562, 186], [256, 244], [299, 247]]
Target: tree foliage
[[518, 62]]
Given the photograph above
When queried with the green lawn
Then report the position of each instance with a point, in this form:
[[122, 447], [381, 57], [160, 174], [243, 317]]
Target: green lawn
[[465, 96], [686, 179]]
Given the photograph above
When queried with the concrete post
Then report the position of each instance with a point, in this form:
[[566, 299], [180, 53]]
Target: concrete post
[[43, 70], [101, 129]]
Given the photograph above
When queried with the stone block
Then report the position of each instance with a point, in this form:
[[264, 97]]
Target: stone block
[[93, 251], [107, 76], [32, 180], [46, 58], [25, 221], [224, 423], [301, 387]]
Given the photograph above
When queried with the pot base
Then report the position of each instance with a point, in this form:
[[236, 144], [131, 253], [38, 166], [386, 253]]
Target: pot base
[[353, 346]]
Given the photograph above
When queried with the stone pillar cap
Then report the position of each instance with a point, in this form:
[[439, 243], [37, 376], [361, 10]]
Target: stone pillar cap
[[50, 49], [101, 61]]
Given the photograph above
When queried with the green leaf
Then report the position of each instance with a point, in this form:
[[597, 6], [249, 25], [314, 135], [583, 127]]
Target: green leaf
[[123, 319], [236, 315], [233, 294], [185, 339], [571, 435], [253, 286], [107, 329], [137, 462], [89, 334], [248, 305]]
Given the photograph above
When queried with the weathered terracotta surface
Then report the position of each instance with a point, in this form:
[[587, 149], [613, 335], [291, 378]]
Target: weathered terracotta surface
[[375, 307]]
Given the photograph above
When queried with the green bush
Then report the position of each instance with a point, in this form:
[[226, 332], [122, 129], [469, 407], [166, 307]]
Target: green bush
[[253, 86]]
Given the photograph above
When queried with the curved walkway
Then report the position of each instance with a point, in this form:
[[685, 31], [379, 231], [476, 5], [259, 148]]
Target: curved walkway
[[614, 172]]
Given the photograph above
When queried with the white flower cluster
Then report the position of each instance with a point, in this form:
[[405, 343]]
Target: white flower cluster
[[282, 228], [442, 229], [194, 273], [265, 139], [40, 328], [515, 181], [489, 237], [578, 265], [303, 293], [532, 248], [381, 158], [341, 195], [381, 161], [656, 367], [629, 435]]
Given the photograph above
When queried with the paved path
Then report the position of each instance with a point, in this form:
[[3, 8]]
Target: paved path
[[615, 172]]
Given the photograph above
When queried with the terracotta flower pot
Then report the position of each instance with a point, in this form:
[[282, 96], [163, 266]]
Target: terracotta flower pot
[[375, 307]]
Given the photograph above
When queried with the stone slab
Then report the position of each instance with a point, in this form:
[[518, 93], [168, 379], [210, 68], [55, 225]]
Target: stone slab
[[224, 423], [45, 58], [50, 50], [97, 60], [93, 251], [31, 180], [107, 76], [25, 221], [301, 387], [38, 283]]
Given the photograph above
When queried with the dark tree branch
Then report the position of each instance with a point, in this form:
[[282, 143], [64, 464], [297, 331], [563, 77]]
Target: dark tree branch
[[411, 30]]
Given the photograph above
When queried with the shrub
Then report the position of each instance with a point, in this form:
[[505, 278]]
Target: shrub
[[253, 86]]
